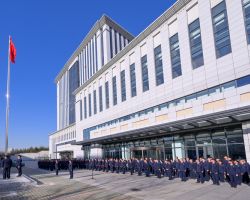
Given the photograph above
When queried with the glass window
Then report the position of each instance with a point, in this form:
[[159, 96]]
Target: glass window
[[180, 101], [214, 90], [190, 98], [234, 136], [236, 151], [202, 94], [132, 80], [158, 66], [100, 99], [114, 90], [74, 82], [144, 67], [246, 9], [80, 110], [243, 81], [196, 44], [221, 30], [111, 42], [85, 107], [95, 106], [90, 105], [175, 56], [123, 85], [107, 94], [116, 49], [228, 86]]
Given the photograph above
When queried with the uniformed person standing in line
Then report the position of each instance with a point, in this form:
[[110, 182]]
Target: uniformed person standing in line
[[182, 170], [19, 165], [70, 169], [56, 167], [232, 174], [215, 172], [222, 171], [199, 171]]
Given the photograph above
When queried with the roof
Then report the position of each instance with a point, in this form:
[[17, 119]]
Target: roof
[[223, 118], [103, 20]]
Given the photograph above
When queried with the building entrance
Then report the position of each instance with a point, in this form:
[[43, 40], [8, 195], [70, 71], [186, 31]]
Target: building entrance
[[204, 151], [146, 152]]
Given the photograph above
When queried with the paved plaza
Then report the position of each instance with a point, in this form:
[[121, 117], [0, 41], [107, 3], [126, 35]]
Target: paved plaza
[[39, 184]]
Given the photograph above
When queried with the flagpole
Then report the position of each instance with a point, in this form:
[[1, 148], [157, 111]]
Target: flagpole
[[7, 103]]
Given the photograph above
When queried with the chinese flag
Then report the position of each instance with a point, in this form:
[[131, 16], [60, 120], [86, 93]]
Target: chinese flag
[[12, 51]]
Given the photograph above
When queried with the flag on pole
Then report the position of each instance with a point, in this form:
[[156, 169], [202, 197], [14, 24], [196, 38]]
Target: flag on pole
[[12, 51]]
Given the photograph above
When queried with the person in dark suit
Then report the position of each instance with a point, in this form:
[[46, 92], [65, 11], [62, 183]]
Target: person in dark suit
[[70, 169], [215, 172], [19, 165], [222, 171], [57, 167], [6, 164], [231, 172]]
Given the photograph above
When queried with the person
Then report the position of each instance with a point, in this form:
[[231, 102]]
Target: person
[[215, 172], [57, 167], [70, 169], [232, 174], [6, 164], [199, 171], [222, 171], [19, 165]]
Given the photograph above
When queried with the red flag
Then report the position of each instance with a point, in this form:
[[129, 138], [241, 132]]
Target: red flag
[[12, 51]]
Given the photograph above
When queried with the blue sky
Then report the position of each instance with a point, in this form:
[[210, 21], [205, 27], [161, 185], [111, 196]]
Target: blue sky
[[45, 33]]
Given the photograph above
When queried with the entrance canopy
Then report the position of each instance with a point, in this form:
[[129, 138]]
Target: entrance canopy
[[233, 116]]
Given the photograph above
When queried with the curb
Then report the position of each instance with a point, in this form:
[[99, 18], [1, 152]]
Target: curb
[[33, 180]]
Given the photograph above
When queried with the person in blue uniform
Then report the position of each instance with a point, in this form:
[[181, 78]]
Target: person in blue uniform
[[222, 171], [70, 167], [199, 171], [19, 165], [56, 167], [182, 170], [231, 172], [244, 171], [238, 172], [207, 169], [6, 165], [146, 167], [215, 172]]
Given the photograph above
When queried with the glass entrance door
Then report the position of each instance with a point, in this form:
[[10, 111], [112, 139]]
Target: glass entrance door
[[154, 153], [204, 151]]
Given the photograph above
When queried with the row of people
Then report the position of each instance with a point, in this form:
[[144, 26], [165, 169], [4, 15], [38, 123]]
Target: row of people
[[235, 172]]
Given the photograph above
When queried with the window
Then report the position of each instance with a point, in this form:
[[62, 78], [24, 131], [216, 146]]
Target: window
[[228, 86], [123, 85], [90, 105], [95, 106], [107, 94], [196, 44], [175, 56], [214, 90], [158, 66], [114, 90], [111, 42], [221, 30], [100, 99], [116, 49], [202, 94], [144, 66], [246, 8], [85, 107], [243, 81], [132, 80], [80, 110]]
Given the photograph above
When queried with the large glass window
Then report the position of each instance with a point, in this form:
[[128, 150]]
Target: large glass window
[[246, 8], [74, 82], [114, 90], [196, 44], [132, 80], [95, 106], [100, 99], [85, 107], [123, 85], [175, 56], [107, 94], [221, 30], [158, 66], [90, 113], [144, 67], [80, 110], [243, 81]]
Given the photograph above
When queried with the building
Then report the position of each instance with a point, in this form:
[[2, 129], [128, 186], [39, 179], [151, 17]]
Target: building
[[181, 88]]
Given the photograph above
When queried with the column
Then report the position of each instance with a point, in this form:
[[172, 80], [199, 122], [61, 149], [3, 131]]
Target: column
[[246, 136]]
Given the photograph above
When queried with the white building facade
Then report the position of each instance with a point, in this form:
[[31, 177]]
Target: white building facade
[[181, 88]]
